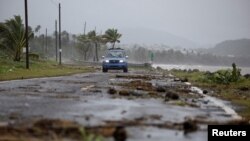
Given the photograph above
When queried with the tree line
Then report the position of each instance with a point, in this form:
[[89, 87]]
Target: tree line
[[83, 46], [90, 46], [138, 53]]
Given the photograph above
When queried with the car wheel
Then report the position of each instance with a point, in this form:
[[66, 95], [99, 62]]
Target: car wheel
[[125, 70]]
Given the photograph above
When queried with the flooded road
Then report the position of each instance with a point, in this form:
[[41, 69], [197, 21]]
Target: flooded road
[[148, 105]]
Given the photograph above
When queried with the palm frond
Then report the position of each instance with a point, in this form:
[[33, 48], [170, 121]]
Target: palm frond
[[12, 34], [112, 36]]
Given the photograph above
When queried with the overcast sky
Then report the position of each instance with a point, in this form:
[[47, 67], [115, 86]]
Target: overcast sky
[[202, 21]]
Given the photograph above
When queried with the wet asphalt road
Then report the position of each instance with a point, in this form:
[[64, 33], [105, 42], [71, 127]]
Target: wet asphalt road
[[84, 98]]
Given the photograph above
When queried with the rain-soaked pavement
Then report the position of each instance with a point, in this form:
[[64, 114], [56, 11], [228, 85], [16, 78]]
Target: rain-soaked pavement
[[148, 106]]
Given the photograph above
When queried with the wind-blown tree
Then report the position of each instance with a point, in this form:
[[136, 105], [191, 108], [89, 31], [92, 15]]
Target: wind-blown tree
[[95, 39], [12, 35], [83, 43], [112, 36], [65, 37], [37, 29]]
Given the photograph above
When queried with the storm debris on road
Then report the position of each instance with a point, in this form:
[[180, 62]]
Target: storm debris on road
[[170, 95], [112, 91], [112, 105]]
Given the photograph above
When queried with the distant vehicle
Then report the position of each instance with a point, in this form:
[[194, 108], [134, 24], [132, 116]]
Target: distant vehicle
[[115, 59]]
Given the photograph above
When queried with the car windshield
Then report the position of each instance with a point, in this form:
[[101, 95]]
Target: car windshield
[[115, 54]]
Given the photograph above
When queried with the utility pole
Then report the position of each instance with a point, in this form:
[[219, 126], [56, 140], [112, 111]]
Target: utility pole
[[43, 44], [46, 43], [84, 27], [72, 48], [56, 39], [26, 33], [60, 49]]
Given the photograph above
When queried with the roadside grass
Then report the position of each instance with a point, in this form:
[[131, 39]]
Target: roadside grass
[[192, 76], [237, 92], [10, 70]]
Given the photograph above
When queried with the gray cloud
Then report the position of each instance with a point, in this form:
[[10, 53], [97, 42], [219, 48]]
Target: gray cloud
[[202, 21]]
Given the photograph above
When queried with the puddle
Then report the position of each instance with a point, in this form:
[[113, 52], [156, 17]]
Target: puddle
[[219, 103]]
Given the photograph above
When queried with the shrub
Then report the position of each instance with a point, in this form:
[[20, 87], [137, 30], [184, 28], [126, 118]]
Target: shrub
[[235, 73], [224, 76], [34, 56]]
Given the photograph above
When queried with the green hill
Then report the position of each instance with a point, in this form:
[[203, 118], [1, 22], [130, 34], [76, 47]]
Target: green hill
[[237, 48]]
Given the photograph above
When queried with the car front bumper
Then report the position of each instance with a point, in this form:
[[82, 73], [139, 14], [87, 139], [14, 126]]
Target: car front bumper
[[114, 65]]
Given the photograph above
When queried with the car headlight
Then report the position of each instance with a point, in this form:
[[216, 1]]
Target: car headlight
[[107, 61], [121, 61]]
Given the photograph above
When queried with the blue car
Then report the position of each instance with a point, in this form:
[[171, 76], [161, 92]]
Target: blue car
[[115, 59]]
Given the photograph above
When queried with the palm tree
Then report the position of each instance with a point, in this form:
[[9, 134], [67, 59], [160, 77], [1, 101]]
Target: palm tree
[[37, 29], [65, 37], [12, 35], [112, 36], [83, 44], [96, 40]]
